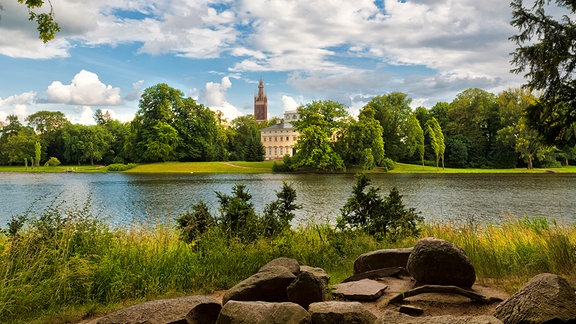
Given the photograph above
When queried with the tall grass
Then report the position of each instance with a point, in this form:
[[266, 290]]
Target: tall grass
[[65, 259]]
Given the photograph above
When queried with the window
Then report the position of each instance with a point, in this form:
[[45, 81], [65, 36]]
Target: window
[[287, 138]]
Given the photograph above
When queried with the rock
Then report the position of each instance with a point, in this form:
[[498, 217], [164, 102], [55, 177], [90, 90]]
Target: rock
[[318, 272], [387, 258], [268, 284], [546, 297], [411, 310], [262, 312], [398, 318], [439, 262], [306, 289], [362, 290], [192, 309], [340, 312], [376, 274], [288, 263]]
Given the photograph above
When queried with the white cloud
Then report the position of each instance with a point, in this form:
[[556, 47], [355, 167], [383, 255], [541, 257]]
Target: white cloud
[[215, 98], [289, 103], [17, 105], [85, 89], [136, 91]]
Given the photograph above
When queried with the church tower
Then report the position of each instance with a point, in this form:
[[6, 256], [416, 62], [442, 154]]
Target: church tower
[[261, 104]]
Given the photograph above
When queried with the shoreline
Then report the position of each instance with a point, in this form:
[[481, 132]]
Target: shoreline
[[266, 167]]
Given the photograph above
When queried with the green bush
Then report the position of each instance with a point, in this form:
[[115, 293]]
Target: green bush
[[118, 167], [381, 217], [193, 225], [388, 164], [52, 162]]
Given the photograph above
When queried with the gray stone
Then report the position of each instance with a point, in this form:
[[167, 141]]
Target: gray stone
[[377, 274], [545, 298], [318, 272], [387, 258], [288, 263], [266, 285], [398, 318], [361, 290], [235, 312], [192, 309], [411, 310], [340, 312], [306, 289], [438, 262]]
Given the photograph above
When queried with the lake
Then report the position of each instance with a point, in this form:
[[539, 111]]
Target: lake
[[126, 198]]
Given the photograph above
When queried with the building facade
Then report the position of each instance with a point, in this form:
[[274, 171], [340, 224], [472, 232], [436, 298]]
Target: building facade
[[261, 104], [279, 140]]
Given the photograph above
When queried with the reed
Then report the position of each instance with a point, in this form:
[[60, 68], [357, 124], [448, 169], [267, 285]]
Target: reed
[[65, 264]]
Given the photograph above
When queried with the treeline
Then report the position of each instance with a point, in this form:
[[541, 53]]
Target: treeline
[[167, 127], [477, 129]]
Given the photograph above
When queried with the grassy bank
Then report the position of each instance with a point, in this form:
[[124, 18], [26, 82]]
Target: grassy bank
[[67, 265], [264, 167]]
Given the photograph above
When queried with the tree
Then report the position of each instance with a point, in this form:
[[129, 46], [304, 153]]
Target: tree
[[392, 112], [318, 123], [245, 142], [279, 213], [46, 25], [238, 217], [46, 121], [382, 217], [414, 137], [361, 141], [436, 139], [546, 53], [525, 140], [37, 153]]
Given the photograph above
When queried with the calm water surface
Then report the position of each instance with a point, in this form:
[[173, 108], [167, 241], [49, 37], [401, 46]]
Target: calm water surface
[[126, 198]]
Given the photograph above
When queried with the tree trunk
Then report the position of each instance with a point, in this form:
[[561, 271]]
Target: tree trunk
[[530, 166]]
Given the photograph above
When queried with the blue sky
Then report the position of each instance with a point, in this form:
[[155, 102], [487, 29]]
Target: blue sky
[[216, 50]]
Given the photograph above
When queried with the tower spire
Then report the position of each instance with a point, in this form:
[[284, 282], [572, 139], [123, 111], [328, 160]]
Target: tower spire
[[261, 103]]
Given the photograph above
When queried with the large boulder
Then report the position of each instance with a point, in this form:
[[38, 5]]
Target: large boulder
[[306, 289], [288, 263], [386, 258], [318, 272], [438, 262], [340, 312], [269, 284], [361, 290], [545, 298], [262, 312], [192, 309], [398, 318]]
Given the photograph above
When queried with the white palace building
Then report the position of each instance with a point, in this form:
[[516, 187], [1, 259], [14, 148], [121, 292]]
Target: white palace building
[[278, 139]]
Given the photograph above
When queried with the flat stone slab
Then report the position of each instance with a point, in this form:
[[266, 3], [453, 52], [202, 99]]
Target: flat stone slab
[[361, 290]]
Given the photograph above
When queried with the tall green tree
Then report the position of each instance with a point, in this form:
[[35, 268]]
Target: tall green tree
[[545, 53], [526, 141], [414, 138], [392, 111], [319, 122], [436, 139], [245, 144], [360, 142]]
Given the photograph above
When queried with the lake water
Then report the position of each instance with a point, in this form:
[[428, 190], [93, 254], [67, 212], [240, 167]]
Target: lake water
[[125, 198]]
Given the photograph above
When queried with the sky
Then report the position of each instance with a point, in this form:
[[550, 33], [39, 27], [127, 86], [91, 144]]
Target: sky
[[215, 51]]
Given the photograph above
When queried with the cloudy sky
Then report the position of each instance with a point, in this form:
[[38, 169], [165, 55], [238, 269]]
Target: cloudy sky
[[216, 50]]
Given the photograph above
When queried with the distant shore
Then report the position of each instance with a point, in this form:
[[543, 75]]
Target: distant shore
[[263, 167]]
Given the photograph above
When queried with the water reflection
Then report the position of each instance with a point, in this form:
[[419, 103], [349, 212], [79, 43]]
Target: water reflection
[[440, 197]]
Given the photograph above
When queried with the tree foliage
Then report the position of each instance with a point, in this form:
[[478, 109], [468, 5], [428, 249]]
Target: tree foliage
[[360, 142], [436, 139], [546, 54], [319, 122], [46, 24], [383, 217]]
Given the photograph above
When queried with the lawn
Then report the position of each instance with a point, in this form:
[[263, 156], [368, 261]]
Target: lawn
[[413, 168], [205, 167]]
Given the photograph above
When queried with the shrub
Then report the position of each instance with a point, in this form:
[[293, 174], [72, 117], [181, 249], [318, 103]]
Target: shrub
[[381, 217], [388, 164], [238, 217], [52, 162], [285, 166], [118, 167], [279, 213], [193, 225]]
